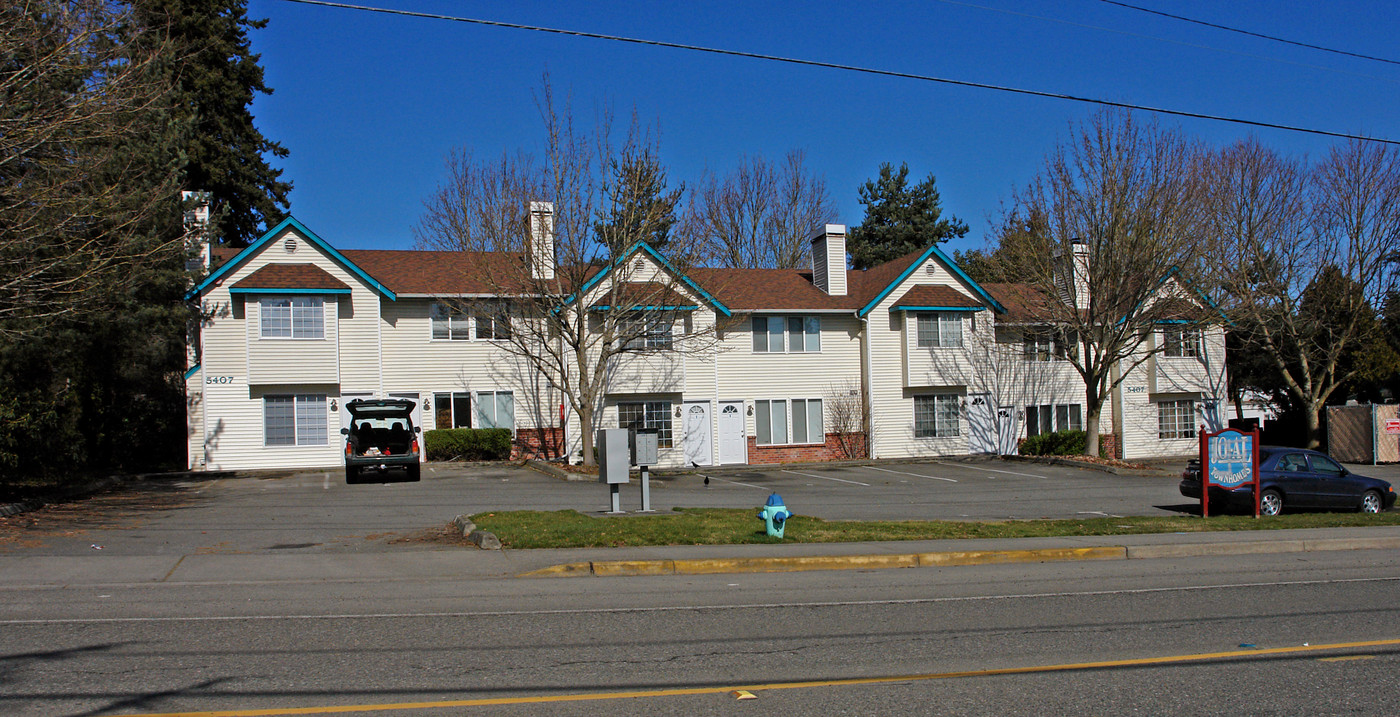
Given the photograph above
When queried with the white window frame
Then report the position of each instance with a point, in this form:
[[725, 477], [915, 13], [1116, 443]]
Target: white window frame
[[794, 334], [794, 412], [310, 420], [481, 417], [298, 318], [946, 415], [938, 330], [1181, 342], [1176, 419], [494, 319], [1053, 418], [646, 333], [654, 415], [450, 320], [452, 398]]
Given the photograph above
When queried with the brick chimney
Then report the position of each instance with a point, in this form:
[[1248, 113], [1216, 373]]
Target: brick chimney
[[539, 248], [829, 259]]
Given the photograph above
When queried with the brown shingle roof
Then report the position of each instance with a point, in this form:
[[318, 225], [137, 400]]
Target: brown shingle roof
[[937, 296], [440, 272], [1023, 302], [291, 276]]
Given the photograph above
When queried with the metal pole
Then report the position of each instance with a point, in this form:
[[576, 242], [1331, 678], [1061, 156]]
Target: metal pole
[[616, 497], [646, 491]]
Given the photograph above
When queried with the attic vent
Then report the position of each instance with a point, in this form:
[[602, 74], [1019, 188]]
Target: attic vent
[[639, 265], [930, 269], [290, 245]]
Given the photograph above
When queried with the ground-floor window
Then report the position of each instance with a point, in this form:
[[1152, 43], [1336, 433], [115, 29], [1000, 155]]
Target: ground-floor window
[[495, 409], [1176, 419], [649, 414], [771, 419], [1048, 418], [937, 416], [452, 410], [298, 420]]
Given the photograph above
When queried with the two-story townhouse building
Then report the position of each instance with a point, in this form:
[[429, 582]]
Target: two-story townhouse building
[[913, 356]]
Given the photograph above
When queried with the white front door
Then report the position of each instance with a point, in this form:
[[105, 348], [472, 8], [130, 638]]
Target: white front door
[[981, 424], [732, 446], [698, 450], [417, 420], [1008, 430]]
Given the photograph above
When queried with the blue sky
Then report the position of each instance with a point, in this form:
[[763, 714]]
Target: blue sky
[[370, 105]]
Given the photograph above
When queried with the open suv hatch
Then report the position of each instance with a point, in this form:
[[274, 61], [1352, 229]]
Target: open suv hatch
[[381, 437]]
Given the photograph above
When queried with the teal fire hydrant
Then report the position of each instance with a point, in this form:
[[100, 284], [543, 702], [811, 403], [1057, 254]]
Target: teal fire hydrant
[[774, 515]]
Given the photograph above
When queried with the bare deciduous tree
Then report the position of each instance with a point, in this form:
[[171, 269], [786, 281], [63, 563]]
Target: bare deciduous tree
[[580, 317], [1307, 256], [848, 418], [1112, 215], [76, 200], [760, 216]]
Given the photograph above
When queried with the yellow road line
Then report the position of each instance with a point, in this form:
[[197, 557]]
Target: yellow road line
[[681, 692], [1347, 658]]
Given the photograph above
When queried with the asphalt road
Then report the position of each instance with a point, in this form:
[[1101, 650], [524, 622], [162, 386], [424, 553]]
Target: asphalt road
[[1218, 636], [299, 592]]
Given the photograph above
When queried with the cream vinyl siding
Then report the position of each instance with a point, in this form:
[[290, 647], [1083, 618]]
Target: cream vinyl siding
[[1137, 401], [894, 385], [287, 360], [744, 374], [414, 361], [232, 435], [194, 420]]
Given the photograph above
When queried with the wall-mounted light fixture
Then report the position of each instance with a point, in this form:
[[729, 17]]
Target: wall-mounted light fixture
[[750, 411], [334, 408], [678, 411]]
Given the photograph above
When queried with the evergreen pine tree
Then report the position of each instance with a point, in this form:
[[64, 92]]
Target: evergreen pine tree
[[899, 219]]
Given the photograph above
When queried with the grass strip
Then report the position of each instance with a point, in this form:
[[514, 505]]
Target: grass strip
[[730, 526]]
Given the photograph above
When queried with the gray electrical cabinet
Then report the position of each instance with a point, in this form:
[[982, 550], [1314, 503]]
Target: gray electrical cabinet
[[612, 454], [646, 442]]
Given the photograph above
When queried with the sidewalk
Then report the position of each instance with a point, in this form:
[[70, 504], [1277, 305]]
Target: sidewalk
[[72, 571]]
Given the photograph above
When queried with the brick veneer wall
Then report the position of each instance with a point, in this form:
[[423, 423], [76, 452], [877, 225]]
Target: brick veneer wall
[[539, 443], [830, 451]]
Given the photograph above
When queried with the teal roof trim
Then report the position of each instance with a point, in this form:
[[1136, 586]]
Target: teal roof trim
[[936, 308], [932, 251], [193, 370], [288, 291], [252, 249], [668, 266]]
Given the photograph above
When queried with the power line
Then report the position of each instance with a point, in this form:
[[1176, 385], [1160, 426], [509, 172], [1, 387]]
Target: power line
[[1100, 28], [1227, 28], [849, 68]]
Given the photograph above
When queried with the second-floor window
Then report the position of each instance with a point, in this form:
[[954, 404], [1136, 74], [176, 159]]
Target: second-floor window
[[641, 333], [1047, 344], [487, 322], [787, 334], [292, 317], [940, 330], [1181, 342]]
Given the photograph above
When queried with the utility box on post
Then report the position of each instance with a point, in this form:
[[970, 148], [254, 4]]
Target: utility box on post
[[646, 442], [613, 462]]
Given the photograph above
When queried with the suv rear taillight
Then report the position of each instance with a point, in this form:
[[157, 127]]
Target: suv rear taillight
[[415, 445], [348, 450]]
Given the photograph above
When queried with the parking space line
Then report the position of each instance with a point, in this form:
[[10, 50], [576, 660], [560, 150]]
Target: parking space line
[[838, 480], [749, 485], [992, 470], [916, 475]]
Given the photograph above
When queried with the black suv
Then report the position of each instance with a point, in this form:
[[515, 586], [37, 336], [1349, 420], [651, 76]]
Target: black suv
[[381, 436]]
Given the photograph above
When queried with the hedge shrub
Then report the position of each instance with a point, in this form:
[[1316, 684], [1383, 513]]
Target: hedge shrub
[[468, 444], [1059, 443]]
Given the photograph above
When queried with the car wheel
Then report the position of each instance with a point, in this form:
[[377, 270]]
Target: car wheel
[[1270, 502], [414, 472], [1371, 502]]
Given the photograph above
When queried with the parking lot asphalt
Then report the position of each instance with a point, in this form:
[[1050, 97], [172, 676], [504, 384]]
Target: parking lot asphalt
[[311, 525]]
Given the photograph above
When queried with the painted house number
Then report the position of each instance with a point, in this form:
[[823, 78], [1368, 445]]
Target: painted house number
[[1137, 389], [210, 380]]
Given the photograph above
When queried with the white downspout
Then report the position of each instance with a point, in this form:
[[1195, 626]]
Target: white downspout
[[869, 398]]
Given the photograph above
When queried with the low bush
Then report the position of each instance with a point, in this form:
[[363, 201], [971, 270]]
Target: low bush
[[467, 444], [1059, 443]]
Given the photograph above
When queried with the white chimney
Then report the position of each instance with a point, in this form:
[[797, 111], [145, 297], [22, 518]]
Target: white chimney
[[829, 259], [1074, 273], [197, 234], [540, 249]]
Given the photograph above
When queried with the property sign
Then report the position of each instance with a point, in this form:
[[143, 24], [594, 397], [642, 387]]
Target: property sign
[[1229, 459], [1392, 426]]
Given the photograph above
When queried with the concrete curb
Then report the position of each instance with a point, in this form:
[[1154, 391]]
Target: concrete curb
[[709, 566], [626, 568]]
